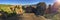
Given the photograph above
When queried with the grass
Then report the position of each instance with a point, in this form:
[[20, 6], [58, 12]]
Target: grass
[[56, 17], [5, 8]]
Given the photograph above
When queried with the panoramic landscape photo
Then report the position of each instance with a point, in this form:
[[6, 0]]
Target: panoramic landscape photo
[[29, 9]]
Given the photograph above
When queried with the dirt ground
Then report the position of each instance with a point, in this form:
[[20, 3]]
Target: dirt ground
[[26, 16]]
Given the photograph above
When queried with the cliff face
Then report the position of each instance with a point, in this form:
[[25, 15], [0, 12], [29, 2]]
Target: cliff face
[[56, 5], [19, 10]]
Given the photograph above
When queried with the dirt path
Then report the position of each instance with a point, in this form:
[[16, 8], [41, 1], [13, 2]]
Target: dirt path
[[27, 16]]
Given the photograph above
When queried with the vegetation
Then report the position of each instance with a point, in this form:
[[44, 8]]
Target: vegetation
[[57, 16], [7, 10]]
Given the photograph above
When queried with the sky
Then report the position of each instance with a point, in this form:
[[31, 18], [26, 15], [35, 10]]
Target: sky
[[25, 2]]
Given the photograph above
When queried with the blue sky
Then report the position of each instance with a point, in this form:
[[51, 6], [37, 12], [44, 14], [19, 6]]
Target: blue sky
[[25, 1]]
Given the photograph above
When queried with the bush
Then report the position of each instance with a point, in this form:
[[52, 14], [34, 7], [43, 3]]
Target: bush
[[56, 17], [11, 14]]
